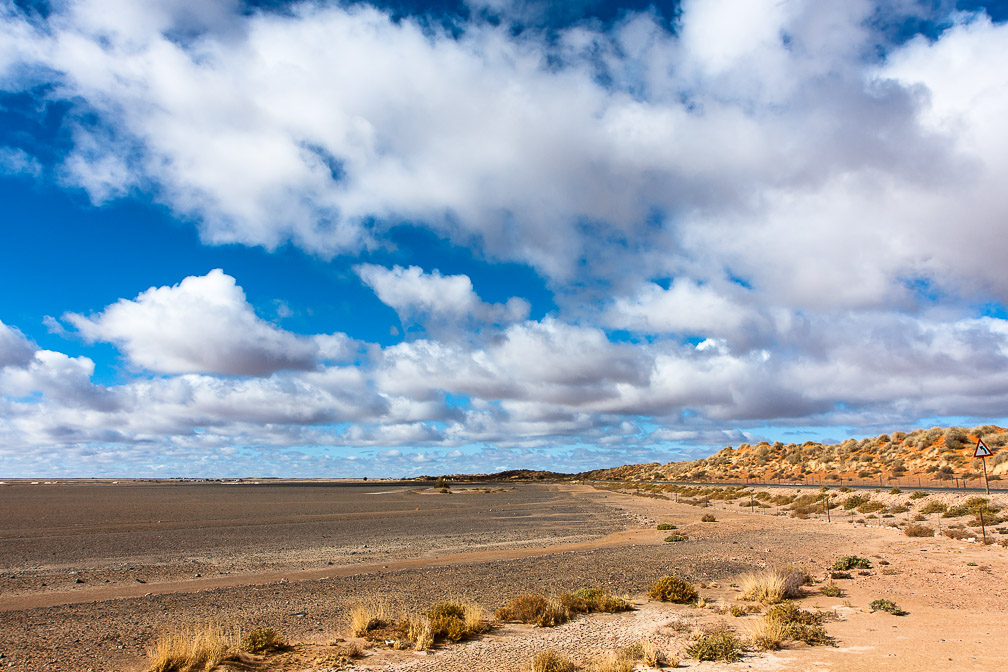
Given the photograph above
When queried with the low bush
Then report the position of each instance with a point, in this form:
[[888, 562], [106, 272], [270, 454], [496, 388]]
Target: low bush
[[708, 518], [918, 530], [534, 609], [593, 600], [832, 590], [919, 494], [666, 526], [887, 606], [673, 538], [933, 506], [718, 644], [848, 562], [672, 588]]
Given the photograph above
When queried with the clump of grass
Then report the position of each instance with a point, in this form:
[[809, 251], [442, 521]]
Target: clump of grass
[[832, 590], [672, 588], [263, 640], [767, 634], [848, 562], [887, 606], [367, 616], [533, 608], [708, 518], [738, 610], [193, 648], [666, 526], [454, 621], [933, 506], [592, 600], [718, 643], [919, 494], [918, 530], [550, 661], [673, 538], [772, 586]]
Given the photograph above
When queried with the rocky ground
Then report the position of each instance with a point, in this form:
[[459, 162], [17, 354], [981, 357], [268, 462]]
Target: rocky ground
[[546, 538]]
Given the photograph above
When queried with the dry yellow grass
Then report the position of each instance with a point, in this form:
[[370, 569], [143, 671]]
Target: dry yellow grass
[[193, 649], [550, 661], [771, 587], [768, 633], [367, 615]]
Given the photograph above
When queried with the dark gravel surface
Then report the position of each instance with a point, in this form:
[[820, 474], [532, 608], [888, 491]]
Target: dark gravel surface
[[113, 634]]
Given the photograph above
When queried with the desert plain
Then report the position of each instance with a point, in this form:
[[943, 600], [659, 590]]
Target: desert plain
[[92, 573]]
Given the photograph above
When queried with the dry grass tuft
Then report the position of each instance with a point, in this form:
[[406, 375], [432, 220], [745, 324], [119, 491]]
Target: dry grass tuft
[[767, 634], [550, 661], [367, 616], [534, 609], [263, 640], [192, 649], [773, 586]]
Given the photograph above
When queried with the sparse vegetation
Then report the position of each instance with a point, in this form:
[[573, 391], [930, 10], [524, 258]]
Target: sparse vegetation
[[832, 590], [550, 661], [918, 530], [672, 588], [887, 606], [849, 562], [717, 644], [192, 649], [534, 609], [673, 538], [666, 526], [773, 586], [708, 518], [263, 640], [592, 600]]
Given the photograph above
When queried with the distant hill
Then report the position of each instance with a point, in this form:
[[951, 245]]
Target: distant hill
[[936, 454]]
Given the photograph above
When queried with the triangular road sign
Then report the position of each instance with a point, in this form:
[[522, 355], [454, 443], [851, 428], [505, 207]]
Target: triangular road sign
[[982, 450]]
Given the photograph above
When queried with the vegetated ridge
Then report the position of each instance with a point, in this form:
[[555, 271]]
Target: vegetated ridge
[[941, 454]]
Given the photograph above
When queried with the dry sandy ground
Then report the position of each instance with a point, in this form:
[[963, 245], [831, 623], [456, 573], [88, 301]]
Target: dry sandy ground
[[547, 538]]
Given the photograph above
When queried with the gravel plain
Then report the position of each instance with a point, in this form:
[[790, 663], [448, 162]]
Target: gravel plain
[[265, 561]]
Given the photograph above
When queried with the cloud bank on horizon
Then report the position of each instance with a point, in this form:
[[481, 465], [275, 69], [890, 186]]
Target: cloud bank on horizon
[[748, 215]]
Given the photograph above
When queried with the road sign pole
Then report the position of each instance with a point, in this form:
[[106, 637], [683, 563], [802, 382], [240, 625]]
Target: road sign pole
[[986, 484]]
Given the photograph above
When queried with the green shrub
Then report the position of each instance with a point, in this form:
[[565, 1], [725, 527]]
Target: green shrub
[[854, 501], [672, 588], [666, 526], [851, 562], [870, 506], [933, 506], [888, 606], [720, 645], [672, 538], [832, 590]]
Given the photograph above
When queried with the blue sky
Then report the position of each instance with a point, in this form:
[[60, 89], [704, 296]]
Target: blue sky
[[345, 239]]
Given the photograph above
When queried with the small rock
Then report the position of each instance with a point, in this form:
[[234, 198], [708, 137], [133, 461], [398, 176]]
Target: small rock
[[78, 580]]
